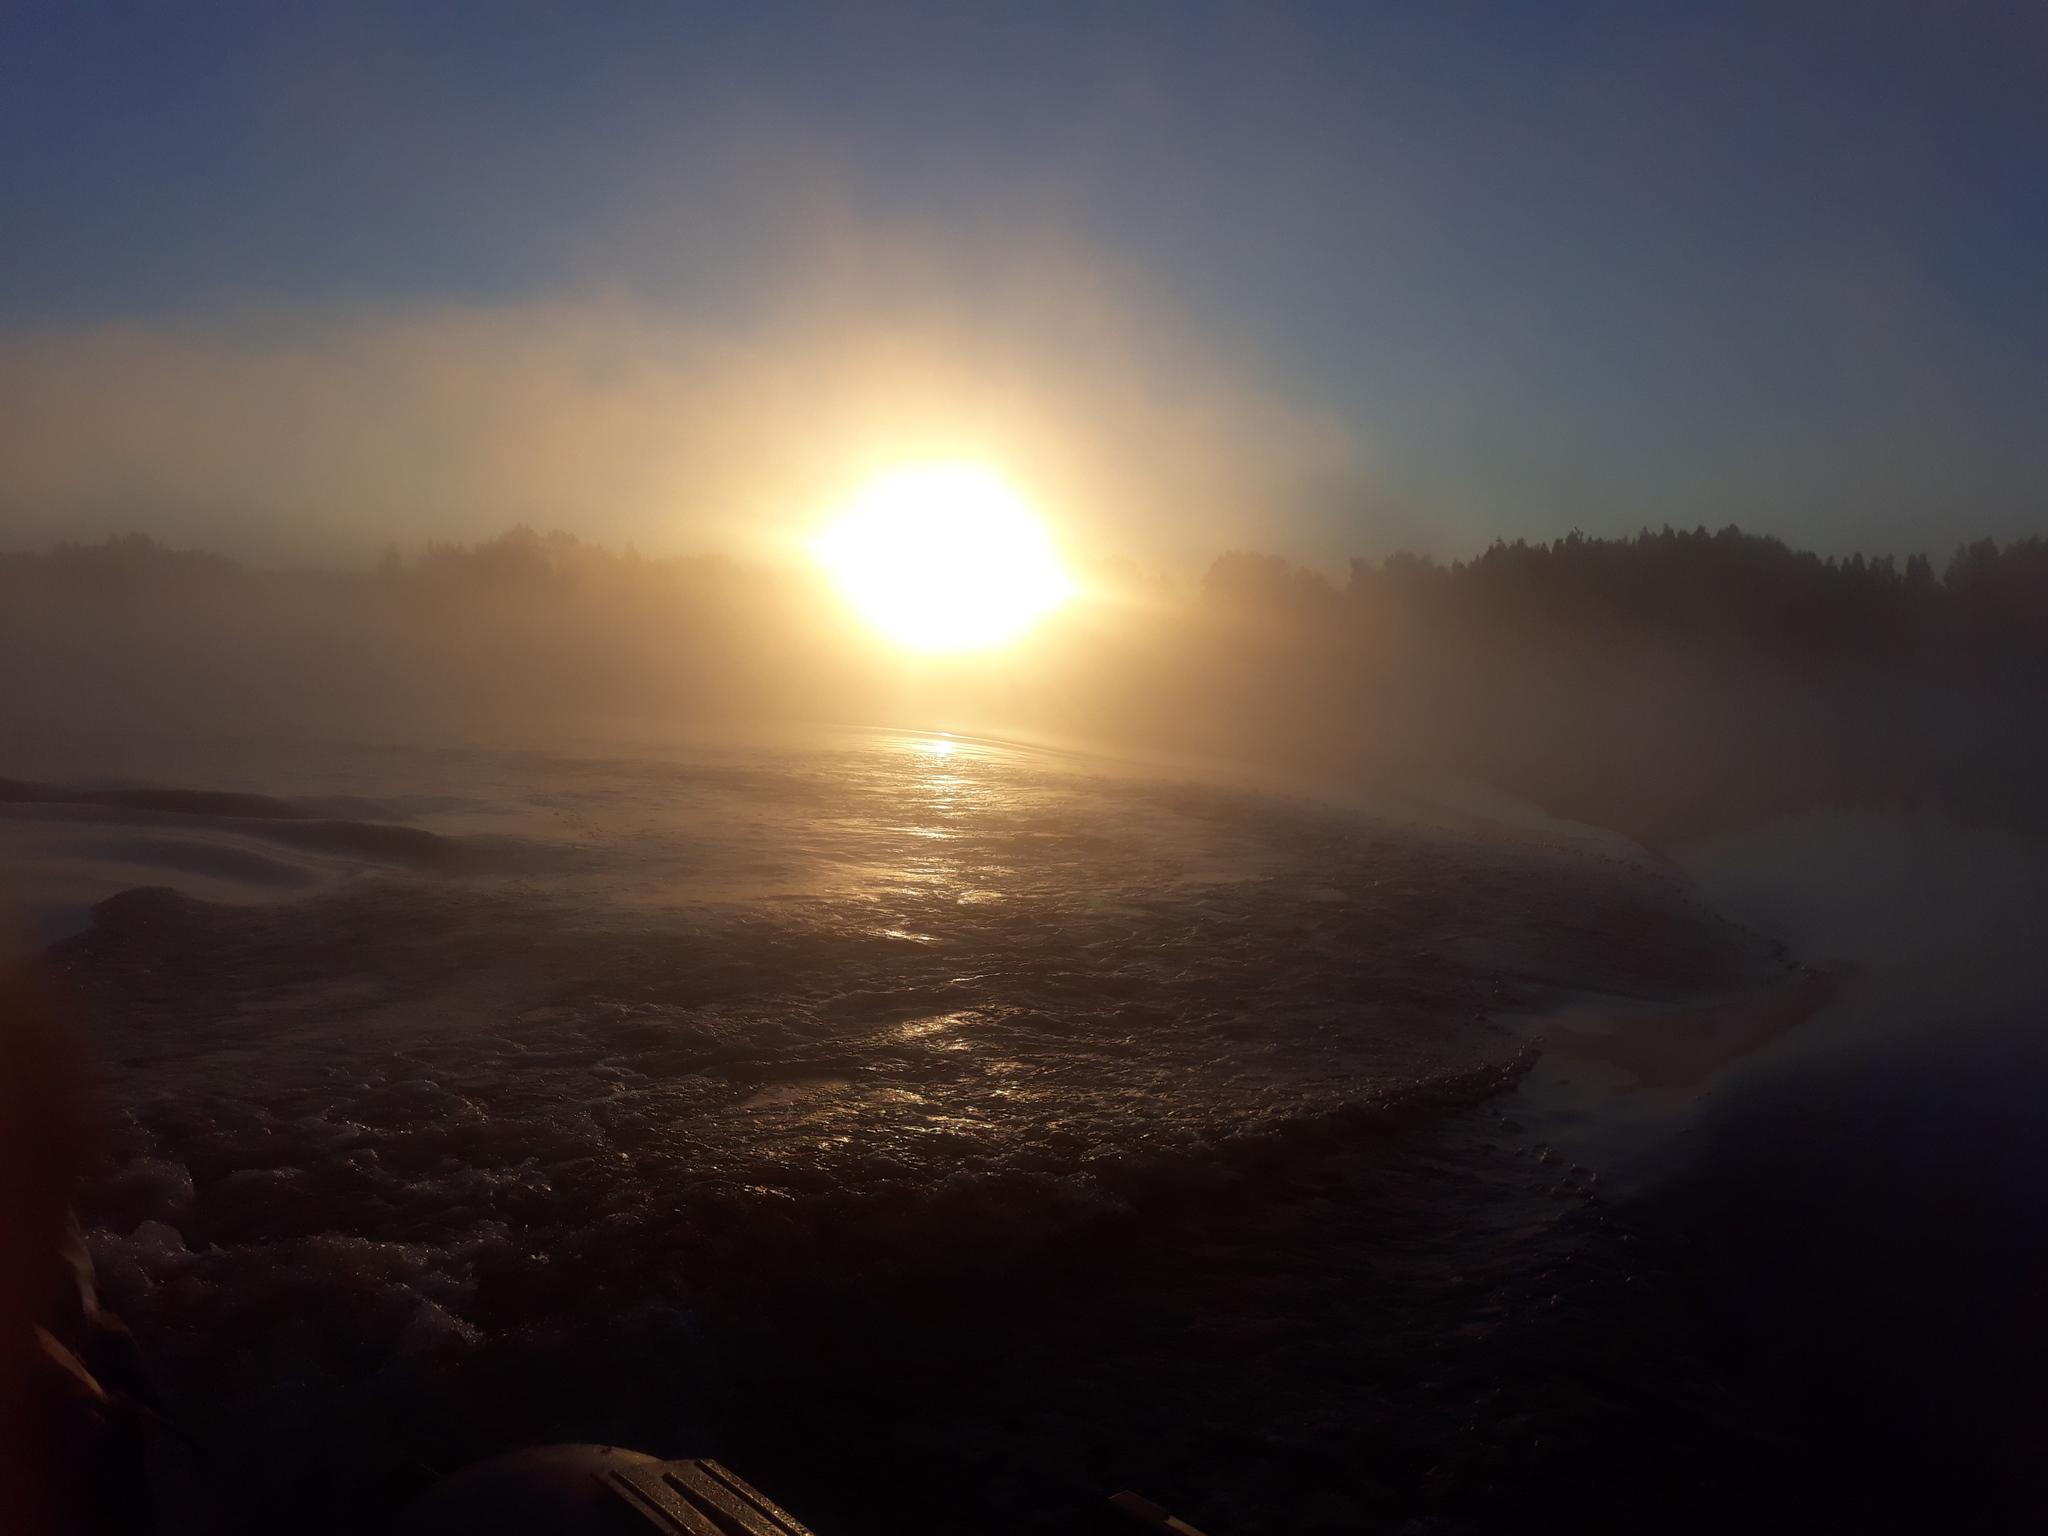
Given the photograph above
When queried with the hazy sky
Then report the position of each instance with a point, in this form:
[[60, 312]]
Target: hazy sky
[[1313, 278]]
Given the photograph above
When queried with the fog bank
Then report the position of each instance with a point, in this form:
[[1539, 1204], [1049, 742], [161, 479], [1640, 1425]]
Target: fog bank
[[1669, 685], [289, 434]]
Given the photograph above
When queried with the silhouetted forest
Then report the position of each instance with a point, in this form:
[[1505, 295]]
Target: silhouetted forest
[[1668, 684]]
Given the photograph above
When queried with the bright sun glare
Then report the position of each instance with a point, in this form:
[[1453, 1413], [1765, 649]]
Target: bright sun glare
[[944, 557]]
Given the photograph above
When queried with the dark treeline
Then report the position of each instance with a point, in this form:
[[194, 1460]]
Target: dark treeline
[[1668, 684]]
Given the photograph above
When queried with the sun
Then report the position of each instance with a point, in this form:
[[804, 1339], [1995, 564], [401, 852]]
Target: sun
[[944, 557]]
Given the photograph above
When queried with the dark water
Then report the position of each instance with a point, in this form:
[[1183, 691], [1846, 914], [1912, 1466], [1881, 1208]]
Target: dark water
[[948, 1135]]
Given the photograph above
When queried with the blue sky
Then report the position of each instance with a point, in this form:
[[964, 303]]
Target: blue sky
[[1545, 265]]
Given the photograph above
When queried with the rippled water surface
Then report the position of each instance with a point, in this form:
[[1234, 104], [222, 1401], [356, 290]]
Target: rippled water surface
[[946, 1133]]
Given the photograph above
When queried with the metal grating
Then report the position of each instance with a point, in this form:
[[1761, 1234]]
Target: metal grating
[[699, 1498]]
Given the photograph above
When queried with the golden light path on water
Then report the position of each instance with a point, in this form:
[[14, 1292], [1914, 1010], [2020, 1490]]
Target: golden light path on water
[[849, 1003], [944, 557]]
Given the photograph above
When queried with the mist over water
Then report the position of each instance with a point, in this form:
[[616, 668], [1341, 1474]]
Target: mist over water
[[1667, 686], [1349, 1093], [668, 1084], [922, 745]]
